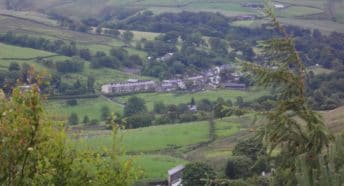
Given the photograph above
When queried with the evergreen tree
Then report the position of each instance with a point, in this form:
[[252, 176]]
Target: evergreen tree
[[292, 126]]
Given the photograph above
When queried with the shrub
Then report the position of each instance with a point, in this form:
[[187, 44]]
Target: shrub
[[72, 102], [238, 167], [194, 174]]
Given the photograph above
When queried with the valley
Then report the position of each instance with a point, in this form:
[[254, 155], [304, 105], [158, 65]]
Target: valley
[[82, 45]]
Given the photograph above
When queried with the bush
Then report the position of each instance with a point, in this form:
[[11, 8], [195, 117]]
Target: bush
[[195, 172], [94, 122], [72, 102], [73, 119], [238, 167], [140, 120], [251, 148]]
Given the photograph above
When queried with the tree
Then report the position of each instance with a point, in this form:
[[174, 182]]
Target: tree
[[127, 36], [238, 167], [239, 102], [139, 120], [14, 66], [159, 108], [86, 120], [90, 83], [134, 105], [292, 126], [38, 154], [196, 174], [105, 113], [85, 54], [72, 102], [251, 148], [192, 102], [73, 119], [205, 105]]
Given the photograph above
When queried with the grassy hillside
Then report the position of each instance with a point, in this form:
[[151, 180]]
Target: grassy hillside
[[300, 10], [9, 54], [162, 137], [86, 107], [155, 167], [157, 149]]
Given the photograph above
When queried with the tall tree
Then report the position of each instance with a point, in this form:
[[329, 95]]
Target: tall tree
[[135, 105], [292, 126]]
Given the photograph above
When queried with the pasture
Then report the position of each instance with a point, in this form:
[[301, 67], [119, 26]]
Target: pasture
[[85, 107], [21, 55], [163, 137], [155, 167]]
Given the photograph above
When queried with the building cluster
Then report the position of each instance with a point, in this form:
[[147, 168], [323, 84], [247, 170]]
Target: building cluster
[[209, 79]]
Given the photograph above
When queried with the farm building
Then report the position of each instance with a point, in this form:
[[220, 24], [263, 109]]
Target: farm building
[[279, 6], [175, 176]]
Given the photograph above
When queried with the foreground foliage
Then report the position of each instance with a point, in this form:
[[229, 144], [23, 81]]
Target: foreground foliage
[[292, 127], [35, 151]]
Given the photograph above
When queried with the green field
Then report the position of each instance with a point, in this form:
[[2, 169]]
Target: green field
[[298, 11], [156, 166], [89, 107], [9, 51], [9, 54], [167, 139], [164, 136], [172, 98]]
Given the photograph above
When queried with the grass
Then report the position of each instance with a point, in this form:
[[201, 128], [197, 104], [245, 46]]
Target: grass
[[10, 51], [164, 136], [225, 153], [89, 107], [154, 138], [21, 55], [225, 127], [319, 70], [298, 11], [171, 98], [156, 166], [138, 35]]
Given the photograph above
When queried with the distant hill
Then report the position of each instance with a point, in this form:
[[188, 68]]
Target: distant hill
[[326, 15]]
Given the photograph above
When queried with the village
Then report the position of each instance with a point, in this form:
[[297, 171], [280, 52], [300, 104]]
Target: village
[[218, 77]]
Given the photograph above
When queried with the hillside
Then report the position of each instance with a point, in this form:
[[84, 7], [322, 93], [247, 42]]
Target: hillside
[[302, 13]]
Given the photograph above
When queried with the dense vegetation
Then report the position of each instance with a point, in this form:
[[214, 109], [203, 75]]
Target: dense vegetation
[[36, 151]]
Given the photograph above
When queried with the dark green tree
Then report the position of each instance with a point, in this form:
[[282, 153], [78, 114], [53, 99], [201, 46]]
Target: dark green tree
[[90, 83], [105, 113], [159, 108], [251, 148], [238, 167], [14, 66], [86, 120], [292, 126], [196, 174], [134, 105], [127, 36], [73, 119]]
